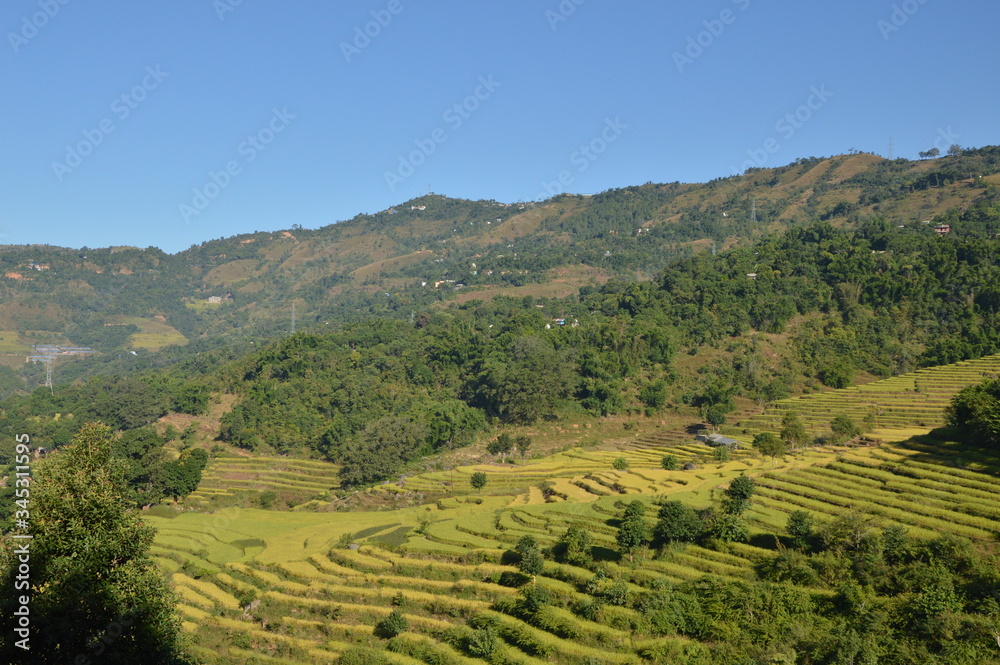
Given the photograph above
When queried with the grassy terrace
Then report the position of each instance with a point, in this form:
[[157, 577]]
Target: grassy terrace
[[896, 406], [260, 586]]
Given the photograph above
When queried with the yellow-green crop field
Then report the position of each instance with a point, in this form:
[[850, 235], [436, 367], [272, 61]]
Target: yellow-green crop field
[[304, 586], [10, 342]]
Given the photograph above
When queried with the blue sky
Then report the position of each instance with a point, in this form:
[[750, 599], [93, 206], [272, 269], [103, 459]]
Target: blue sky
[[172, 122]]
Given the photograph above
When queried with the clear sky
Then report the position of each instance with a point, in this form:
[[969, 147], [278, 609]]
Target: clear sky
[[172, 122]]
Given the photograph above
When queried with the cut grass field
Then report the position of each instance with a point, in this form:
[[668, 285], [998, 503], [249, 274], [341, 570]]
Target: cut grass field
[[442, 562]]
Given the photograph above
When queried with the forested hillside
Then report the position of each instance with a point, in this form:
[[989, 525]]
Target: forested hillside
[[142, 308], [815, 305]]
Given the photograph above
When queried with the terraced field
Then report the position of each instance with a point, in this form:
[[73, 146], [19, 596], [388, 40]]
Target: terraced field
[[298, 587], [899, 407], [295, 481]]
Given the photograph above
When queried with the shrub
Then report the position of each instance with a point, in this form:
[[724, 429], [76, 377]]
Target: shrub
[[800, 528], [669, 462], [267, 499], [483, 643], [574, 547], [620, 464], [534, 598], [844, 429], [677, 523], [392, 625]]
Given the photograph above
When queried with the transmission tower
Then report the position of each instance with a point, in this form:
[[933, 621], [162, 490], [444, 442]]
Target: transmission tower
[[890, 148], [48, 374], [293, 317], [753, 212]]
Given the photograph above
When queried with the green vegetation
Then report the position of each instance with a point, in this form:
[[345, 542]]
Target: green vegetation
[[91, 582], [588, 331]]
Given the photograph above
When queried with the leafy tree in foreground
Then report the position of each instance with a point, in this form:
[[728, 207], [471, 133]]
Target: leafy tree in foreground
[[574, 547], [677, 523], [800, 528], [737, 496], [669, 462], [478, 480], [94, 591], [633, 532], [976, 411]]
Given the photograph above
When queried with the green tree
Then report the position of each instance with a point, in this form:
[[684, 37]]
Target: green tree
[[715, 415], [501, 446], [632, 531], [800, 527], [769, 444], [844, 428], [523, 445], [737, 496], [392, 625], [574, 547], [793, 432], [620, 464], [727, 527], [669, 462], [478, 480], [530, 560], [182, 476], [381, 449], [677, 523], [94, 591], [534, 377], [976, 411], [654, 395]]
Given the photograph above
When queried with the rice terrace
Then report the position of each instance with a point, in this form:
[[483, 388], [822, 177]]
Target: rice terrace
[[311, 584]]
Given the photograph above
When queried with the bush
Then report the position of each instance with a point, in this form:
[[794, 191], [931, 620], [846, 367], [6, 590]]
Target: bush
[[392, 625], [359, 656], [267, 499], [799, 527], [721, 454], [534, 598], [669, 462], [483, 643], [620, 464], [844, 429], [677, 523], [574, 547]]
